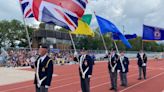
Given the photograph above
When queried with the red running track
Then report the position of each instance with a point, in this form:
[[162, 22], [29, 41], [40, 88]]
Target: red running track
[[68, 79]]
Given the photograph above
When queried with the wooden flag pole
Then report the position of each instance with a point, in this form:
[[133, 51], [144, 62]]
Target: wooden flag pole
[[26, 29]]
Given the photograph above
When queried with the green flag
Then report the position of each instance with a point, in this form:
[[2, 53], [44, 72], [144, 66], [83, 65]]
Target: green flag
[[83, 26], [87, 18]]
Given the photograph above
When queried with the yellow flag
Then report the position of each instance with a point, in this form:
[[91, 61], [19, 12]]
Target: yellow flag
[[83, 29]]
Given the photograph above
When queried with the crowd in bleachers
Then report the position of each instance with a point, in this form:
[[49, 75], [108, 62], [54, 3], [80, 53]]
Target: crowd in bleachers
[[18, 58], [23, 57]]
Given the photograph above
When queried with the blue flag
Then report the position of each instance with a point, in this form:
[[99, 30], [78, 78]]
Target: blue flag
[[127, 36], [152, 33], [107, 26]]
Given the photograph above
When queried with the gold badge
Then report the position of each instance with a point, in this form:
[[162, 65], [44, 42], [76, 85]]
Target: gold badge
[[43, 69]]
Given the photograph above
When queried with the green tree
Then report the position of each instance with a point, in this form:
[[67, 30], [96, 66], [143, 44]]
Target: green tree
[[12, 32], [63, 30], [96, 43]]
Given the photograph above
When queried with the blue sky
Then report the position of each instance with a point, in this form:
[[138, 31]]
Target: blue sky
[[130, 13]]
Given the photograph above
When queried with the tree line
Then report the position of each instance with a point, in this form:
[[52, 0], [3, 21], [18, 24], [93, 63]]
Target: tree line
[[12, 33], [96, 43]]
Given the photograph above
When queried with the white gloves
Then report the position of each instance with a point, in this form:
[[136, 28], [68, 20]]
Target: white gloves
[[83, 76], [89, 76], [144, 64], [38, 85], [118, 71], [123, 70], [75, 54], [112, 69], [46, 86]]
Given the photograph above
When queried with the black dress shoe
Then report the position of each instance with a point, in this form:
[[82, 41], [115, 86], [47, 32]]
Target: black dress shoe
[[125, 85], [111, 88], [139, 78], [115, 90]]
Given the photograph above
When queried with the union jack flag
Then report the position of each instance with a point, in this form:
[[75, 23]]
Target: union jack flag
[[64, 13], [26, 6]]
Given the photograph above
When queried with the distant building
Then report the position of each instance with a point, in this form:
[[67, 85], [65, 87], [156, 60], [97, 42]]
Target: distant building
[[55, 39]]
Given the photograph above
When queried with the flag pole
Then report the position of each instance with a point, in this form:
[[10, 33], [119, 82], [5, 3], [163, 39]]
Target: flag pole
[[25, 26], [110, 36], [106, 50], [74, 47], [123, 68], [116, 46], [142, 44], [75, 53], [27, 35], [123, 27]]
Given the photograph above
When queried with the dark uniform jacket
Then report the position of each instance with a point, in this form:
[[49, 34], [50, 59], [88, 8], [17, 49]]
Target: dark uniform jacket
[[45, 69], [125, 62], [114, 60], [141, 60], [89, 62]]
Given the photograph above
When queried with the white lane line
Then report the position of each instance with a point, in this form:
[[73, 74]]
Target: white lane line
[[77, 82], [99, 85], [141, 82], [33, 84], [51, 87]]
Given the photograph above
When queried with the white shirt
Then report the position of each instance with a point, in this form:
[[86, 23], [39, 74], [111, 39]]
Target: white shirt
[[141, 54], [82, 59], [113, 54], [122, 57], [110, 57], [43, 57]]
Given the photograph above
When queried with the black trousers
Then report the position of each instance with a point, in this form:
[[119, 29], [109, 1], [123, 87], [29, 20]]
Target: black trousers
[[144, 71], [114, 79], [110, 73], [85, 84], [123, 77], [143, 68], [41, 89]]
